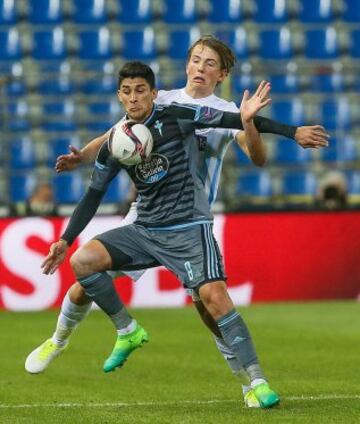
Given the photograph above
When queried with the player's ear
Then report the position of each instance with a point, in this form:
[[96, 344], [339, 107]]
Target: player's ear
[[119, 95], [222, 76], [154, 93]]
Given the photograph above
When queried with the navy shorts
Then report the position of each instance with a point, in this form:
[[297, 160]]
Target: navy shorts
[[191, 253]]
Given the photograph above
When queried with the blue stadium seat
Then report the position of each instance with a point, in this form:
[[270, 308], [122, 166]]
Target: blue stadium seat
[[68, 188], [22, 153], [276, 44], [49, 44], [18, 112], [284, 84], [180, 12], [243, 82], [110, 108], [21, 186], [352, 11], [299, 183], [271, 11], [290, 112], [321, 43], [180, 41], [10, 45], [355, 44], [104, 85], [225, 11], [135, 11], [16, 88], [288, 152], [257, 184], [240, 156], [139, 44], [118, 189], [64, 109], [336, 114], [316, 11], [60, 146], [353, 181], [238, 41], [328, 83], [64, 125], [57, 86], [89, 11], [8, 12], [59, 115], [340, 149], [45, 12], [95, 44]]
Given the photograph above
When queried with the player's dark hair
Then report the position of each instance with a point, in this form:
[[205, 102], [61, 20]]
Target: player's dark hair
[[137, 70], [227, 58]]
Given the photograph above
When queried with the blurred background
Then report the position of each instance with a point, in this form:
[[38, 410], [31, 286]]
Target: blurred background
[[58, 65]]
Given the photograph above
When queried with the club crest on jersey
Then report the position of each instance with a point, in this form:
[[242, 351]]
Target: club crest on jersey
[[153, 169], [158, 125]]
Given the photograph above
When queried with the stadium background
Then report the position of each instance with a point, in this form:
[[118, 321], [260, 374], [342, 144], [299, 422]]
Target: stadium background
[[58, 65]]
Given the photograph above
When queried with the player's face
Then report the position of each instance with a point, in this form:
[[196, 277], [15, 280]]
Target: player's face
[[203, 71], [137, 98]]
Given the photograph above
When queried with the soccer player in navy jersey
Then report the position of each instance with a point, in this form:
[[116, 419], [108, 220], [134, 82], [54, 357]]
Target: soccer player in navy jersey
[[208, 64], [174, 223]]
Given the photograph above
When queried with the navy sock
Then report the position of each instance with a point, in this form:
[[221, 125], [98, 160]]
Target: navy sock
[[100, 288], [237, 336]]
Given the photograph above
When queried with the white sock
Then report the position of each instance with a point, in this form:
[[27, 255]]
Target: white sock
[[128, 329], [70, 316], [257, 381]]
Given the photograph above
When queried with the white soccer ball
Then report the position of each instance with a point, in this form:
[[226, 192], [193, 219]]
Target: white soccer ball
[[130, 143]]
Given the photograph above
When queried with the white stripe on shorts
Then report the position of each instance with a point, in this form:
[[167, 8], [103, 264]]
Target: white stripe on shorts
[[213, 270]]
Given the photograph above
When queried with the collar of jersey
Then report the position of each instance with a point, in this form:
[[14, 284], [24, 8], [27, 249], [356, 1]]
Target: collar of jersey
[[190, 99]]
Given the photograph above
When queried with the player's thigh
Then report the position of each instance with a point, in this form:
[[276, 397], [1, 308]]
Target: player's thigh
[[127, 247], [192, 254]]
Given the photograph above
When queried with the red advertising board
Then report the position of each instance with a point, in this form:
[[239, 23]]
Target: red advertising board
[[268, 257]]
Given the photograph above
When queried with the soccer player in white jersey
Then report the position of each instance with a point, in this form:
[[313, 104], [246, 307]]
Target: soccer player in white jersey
[[209, 63]]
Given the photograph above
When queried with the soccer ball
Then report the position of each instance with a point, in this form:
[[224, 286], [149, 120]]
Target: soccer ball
[[130, 143]]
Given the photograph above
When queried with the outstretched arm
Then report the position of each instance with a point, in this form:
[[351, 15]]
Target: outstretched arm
[[250, 140], [77, 157]]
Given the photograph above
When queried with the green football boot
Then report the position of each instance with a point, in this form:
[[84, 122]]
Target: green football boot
[[267, 398], [124, 345]]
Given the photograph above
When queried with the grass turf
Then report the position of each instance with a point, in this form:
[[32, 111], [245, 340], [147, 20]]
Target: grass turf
[[310, 353]]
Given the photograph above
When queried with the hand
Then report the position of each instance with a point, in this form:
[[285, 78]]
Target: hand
[[55, 257], [312, 137], [70, 161], [250, 106]]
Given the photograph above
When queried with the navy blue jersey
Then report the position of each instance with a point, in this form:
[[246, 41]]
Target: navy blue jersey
[[170, 188]]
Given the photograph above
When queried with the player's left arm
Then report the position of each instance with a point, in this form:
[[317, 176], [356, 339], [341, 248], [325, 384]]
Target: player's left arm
[[250, 140]]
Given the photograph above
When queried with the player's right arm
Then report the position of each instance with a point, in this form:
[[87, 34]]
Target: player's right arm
[[77, 157], [102, 175]]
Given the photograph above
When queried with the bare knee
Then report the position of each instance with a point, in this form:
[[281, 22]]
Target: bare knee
[[77, 295], [91, 258], [216, 299]]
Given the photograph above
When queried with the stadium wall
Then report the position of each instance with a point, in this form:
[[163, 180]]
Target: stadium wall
[[285, 256]]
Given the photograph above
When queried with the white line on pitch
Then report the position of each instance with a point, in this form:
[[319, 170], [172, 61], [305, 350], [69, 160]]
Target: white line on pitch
[[181, 402]]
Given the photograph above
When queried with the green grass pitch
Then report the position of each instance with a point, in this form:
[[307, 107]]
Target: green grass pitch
[[310, 353]]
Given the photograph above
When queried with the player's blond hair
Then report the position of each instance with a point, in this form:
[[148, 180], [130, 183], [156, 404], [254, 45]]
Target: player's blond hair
[[227, 58]]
